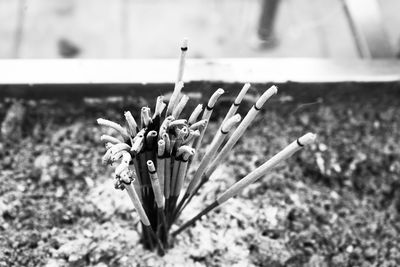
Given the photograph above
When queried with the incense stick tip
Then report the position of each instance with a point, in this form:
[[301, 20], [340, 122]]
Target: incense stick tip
[[307, 139], [229, 123], [184, 44]]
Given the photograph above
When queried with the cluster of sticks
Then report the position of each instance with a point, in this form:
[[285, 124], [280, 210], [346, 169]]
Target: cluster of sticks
[[161, 150]]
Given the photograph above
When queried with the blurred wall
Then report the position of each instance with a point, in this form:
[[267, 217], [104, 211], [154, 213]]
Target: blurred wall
[[146, 29]]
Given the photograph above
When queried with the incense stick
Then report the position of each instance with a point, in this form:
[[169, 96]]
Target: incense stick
[[132, 125], [216, 143], [238, 100], [161, 163], [174, 97], [248, 119], [182, 59], [207, 115], [181, 105], [195, 114], [109, 138], [115, 126], [288, 151]]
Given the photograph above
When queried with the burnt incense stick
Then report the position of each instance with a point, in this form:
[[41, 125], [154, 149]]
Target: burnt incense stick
[[110, 139], [195, 114], [215, 144], [288, 151], [161, 163], [160, 201], [248, 119], [115, 126], [200, 125], [176, 123], [182, 59], [180, 106], [155, 183], [174, 98], [132, 125], [143, 217], [207, 115], [160, 105], [184, 153], [238, 100], [145, 117]]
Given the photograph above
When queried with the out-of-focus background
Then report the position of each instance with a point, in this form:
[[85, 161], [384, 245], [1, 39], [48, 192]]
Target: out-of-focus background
[[216, 28]]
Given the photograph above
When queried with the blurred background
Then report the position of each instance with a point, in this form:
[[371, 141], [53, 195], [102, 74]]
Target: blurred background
[[216, 28]]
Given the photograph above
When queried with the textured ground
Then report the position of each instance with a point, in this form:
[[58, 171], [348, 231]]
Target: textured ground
[[336, 203]]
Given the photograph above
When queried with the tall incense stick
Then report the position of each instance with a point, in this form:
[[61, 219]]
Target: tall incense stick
[[182, 59]]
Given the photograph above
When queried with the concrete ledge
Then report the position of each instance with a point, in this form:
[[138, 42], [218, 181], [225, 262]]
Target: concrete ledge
[[78, 78]]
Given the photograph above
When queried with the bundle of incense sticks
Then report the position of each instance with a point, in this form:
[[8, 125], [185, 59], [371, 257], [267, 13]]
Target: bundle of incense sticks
[[153, 157]]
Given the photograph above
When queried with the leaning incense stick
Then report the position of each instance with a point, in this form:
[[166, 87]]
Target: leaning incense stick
[[288, 151], [160, 105], [216, 143], [195, 114], [199, 125], [182, 59], [109, 138], [248, 119], [115, 126], [180, 106], [238, 100], [207, 115], [184, 152], [174, 97], [132, 125]]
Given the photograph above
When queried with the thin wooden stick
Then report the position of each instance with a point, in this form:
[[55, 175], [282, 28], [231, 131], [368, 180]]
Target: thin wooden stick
[[215, 144], [142, 215], [174, 97], [167, 184], [182, 59], [180, 106], [155, 183], [115, 126], [234, 107], [161, 163], [109, 138], [145, 117], [207, 115], [236, 188], [195, 114], [250, 116], [160, 105], [200, 125], [132, 125], [247, 120], [160, 201], [185, 152]]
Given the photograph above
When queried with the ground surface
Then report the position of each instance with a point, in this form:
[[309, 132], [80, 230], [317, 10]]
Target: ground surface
[[336, 203]]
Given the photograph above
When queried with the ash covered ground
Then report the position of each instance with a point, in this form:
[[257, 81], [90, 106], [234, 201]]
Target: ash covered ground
[[335, 203]]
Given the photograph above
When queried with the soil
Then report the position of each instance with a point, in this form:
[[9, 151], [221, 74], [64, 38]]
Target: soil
[[335, 203]]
